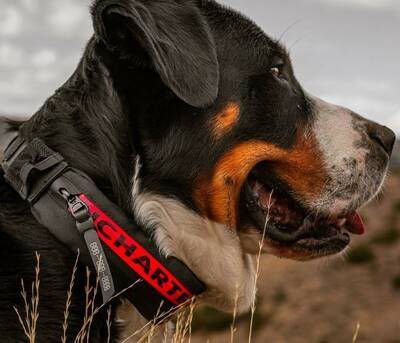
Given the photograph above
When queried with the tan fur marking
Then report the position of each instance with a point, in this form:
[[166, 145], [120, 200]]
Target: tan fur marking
[[300, 167], [226, 120]]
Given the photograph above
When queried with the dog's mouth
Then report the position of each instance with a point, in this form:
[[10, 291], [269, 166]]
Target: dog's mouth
[[288, 226]]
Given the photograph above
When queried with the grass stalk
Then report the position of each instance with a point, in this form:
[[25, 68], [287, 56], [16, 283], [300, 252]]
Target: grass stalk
[[109, 323], [31, 306], [257, 274], [69, 300], [355, 337], [235, 308]]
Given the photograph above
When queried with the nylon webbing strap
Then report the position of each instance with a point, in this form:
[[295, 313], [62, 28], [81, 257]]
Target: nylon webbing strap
[[85, 225], [31, 168], [7, 136], [70, 205]]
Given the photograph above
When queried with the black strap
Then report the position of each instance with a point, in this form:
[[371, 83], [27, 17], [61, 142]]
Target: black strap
[[31, 168], [7, 135], [86, 228], [53, 189]]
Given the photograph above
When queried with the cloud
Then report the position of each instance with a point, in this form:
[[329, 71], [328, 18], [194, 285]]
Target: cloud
[[10, 56], [68, 17], [44, 58], [31, 5], [360, 103], [369, 4], [45, 76], [10, 21], [394, 121], [19, 85]]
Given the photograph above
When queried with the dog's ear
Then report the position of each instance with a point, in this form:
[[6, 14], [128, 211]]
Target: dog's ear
[[171, 35]]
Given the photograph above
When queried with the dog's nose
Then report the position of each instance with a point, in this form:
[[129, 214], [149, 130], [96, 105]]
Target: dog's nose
[[383, 136]]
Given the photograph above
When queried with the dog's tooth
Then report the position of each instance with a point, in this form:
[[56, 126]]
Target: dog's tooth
[[256, 191], [341, 222], [307, 222], [258, 186]]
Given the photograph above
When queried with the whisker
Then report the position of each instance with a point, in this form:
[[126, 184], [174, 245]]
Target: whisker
[[288, 29]]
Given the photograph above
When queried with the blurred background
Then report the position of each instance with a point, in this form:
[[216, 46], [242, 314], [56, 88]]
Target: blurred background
[[346, 51]]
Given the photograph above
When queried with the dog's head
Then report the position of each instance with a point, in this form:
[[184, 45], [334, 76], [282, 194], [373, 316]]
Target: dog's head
[[223, 126]]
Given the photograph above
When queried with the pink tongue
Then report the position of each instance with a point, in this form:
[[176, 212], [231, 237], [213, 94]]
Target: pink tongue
[[355, 224]]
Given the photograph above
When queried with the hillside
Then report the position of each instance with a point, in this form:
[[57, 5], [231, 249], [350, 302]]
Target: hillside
[[396, 156]]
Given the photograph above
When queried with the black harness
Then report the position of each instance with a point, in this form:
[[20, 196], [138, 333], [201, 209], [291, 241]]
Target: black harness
[[68, 203]]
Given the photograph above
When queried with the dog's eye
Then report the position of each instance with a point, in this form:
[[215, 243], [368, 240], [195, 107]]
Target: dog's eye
[[278, 73], [275, 71]]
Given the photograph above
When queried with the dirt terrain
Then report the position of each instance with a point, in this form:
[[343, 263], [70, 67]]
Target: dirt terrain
[[322, 302]]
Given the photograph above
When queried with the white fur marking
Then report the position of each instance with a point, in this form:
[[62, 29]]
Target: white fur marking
[[210, 250]]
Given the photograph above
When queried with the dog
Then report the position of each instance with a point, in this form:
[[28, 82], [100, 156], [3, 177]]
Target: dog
[[189, 117]]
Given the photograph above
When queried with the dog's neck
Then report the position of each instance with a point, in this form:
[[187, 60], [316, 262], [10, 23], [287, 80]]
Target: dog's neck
[[92, 126], [211, 250], [89, 124]]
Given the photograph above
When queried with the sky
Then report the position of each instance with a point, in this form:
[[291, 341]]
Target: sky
[[345, 51]]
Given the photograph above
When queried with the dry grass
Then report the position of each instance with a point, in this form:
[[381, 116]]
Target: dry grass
[[90, 298], [109, 323], [91, 310], [355, 337], [30, 320], [233, 328], [258, 264], [182, 316], [69, 300]]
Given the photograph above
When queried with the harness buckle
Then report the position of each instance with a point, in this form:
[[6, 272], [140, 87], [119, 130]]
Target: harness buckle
[[80, 212], [86, 227]]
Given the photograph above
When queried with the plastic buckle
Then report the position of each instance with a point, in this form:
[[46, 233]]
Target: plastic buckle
[[85, 225], [81, 214]]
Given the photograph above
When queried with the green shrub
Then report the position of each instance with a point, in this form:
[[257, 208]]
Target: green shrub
[[361, 254], [396, 282], [208, 319], [396, 207], [279, 296], [387, 237]]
